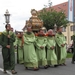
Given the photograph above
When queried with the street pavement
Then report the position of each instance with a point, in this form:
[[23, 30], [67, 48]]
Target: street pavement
[[61, 70]]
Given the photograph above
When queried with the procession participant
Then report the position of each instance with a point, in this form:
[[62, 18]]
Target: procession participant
[[30, 57], [40, 44], [18, 43], [73, 44], [7, 39], [51, 44], [11, 29], [61, 46]]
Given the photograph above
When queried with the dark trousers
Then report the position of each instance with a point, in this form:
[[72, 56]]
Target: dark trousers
[[73, 58]]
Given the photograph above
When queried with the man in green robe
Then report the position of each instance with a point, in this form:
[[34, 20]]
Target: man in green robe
[[61, 46], [30, 57], [6, 40], [73, 43], [18, 44], [40, 44], [51, 55]]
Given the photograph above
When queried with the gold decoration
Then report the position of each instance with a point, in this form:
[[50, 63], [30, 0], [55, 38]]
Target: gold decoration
[[36, 23]]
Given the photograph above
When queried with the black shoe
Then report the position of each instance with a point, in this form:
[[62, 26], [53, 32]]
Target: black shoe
[[13, 72], [45, 67], [55, 65], [35, 69], [26, 68], [5, 71]]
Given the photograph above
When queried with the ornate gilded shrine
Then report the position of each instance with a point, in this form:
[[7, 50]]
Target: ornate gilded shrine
[[34, 21]]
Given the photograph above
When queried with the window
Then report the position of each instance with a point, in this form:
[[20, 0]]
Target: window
[[64, 29], [71, 37], [72, 28]]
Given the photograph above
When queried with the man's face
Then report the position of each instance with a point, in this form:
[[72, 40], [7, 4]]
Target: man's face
[[21, 34], [11, 29], [41, 32], [8, 28], [29, 29], [18, 34], [60, 29]]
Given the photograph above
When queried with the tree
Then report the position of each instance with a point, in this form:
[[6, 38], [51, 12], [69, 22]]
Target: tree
[[51, 17]]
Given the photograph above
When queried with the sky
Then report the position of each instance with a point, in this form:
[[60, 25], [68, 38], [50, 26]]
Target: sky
[[20, 11]]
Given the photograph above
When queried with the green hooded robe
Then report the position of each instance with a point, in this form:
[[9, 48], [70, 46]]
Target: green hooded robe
[[30, 57], [20, 55], [41, 53], [51, 55], [61, 51], [8, 54]]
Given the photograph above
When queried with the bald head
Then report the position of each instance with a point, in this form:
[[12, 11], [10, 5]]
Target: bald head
[[50, 32]]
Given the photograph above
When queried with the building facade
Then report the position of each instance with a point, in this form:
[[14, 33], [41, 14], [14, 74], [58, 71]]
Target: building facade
[[68, 32]]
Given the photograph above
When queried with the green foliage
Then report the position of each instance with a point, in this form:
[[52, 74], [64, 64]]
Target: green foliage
[[69, 55], [52, 17]]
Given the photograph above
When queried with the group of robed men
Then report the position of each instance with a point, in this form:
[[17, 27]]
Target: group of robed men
[[41, 50], [33, 51]]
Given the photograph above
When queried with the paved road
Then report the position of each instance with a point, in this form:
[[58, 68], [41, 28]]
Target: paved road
[[61, 70]]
